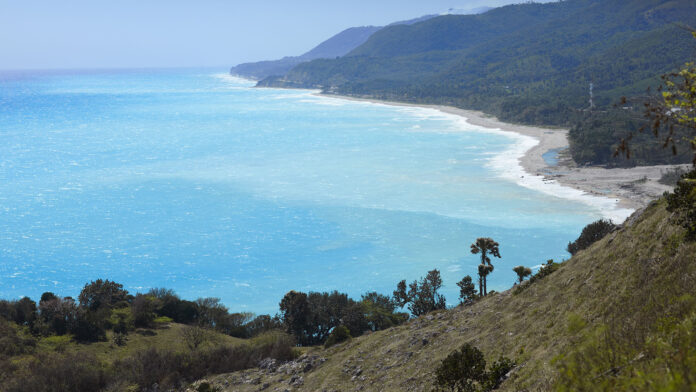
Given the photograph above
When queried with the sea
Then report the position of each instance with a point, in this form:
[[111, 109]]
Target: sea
[[194, 180]]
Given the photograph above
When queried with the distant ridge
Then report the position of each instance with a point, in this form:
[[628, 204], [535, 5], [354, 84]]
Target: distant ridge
[[337, 46]]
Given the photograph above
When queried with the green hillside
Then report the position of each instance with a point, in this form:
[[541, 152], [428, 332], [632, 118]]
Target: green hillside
[[527, 63], [619, 315]]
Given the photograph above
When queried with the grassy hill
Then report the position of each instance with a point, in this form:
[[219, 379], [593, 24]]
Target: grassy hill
[[617, 316]]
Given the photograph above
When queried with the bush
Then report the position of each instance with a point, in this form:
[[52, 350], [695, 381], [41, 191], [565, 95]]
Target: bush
[[12, 342], [682, 203], [545, 270], [55, 372], [465, 371], [338, 335], [498, 372], [592, 233]]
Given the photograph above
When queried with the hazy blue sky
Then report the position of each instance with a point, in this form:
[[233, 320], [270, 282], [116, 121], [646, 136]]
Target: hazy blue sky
[[154, 33]]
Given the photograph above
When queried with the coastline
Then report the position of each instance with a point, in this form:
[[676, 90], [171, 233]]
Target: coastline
[[617, 192]]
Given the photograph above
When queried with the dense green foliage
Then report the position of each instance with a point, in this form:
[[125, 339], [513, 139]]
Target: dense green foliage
[[595, 138], [338, 335], [467, 290], [591, 233], [312, 317], [682, 202], [464, 370], [527, 63], [421, 297]]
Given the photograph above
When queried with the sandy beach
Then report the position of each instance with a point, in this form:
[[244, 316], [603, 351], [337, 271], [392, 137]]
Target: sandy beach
[[630, 189]]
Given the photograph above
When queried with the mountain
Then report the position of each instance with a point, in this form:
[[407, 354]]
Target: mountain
[[619, 315], [336, 46], [528, 63]]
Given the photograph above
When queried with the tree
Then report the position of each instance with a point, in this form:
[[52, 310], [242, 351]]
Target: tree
[[194, 336], [263, 323], [485, 246], [143, 309], [422, 297], [339, 334], [590, 234], [467, 290], [101, 293], [294, 312], [522, 272], [675, 108], [58, 313], [379, 311], [211, 312], [682, 203]]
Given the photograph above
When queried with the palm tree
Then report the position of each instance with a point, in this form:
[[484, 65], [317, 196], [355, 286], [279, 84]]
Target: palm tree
[[522, 272], [481, 273], [485, 246]]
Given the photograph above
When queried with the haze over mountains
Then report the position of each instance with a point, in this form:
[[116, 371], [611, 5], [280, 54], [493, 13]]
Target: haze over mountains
[[336, 46]]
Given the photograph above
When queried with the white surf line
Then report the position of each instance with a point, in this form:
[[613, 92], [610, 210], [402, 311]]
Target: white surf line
[[507, 164]]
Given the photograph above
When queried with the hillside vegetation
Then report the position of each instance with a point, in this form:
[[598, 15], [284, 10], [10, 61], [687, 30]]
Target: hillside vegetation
[[526, 63], [619, 315]]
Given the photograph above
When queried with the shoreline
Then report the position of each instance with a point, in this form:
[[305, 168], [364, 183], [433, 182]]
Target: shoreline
[[617, 192]]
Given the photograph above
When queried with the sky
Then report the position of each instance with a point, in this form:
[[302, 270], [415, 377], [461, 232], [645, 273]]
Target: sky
[[50, 34]]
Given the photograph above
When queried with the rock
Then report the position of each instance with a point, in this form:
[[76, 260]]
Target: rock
[[298, 382]]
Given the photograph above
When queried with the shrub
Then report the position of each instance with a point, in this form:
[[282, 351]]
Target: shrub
[[338, 335], [545, 270], [682, 203], [465, 371], [12, 342], [56, 372], [592, 233], [498, 372]]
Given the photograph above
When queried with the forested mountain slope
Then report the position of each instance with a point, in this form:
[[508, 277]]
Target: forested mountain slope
[[528, 63]]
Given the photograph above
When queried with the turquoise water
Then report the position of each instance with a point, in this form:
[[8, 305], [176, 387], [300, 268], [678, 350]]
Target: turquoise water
[[192, 180]]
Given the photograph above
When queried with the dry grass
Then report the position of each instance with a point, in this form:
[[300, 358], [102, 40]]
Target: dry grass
[[608, 282]]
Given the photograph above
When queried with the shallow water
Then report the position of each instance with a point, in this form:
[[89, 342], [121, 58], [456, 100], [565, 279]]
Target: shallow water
[[193, 180]]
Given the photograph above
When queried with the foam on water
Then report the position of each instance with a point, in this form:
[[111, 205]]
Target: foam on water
[[195, 181]]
